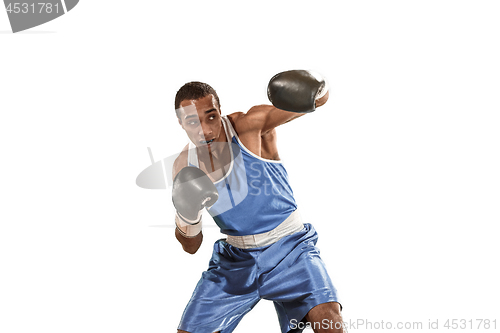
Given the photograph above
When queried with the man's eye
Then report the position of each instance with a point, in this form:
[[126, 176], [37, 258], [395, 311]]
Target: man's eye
[[211, 117]]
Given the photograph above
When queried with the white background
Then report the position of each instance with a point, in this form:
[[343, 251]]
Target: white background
[[398, 172]]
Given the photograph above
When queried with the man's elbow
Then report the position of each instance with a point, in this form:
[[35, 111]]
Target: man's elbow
[[190, 249], [189, 245]]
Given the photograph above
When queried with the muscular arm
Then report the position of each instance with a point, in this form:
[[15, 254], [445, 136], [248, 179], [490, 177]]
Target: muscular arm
[[256, 128], [264, 118], [299, 91], [189, 244]]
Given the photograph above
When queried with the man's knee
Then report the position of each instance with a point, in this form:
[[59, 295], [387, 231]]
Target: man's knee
[[330, 311], [337, 308], [325, 310]]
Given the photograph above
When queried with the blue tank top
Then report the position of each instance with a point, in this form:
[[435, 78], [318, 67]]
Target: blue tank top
[[254, 195]]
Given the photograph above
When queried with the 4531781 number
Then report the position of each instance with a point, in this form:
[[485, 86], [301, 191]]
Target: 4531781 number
[[33, 8]]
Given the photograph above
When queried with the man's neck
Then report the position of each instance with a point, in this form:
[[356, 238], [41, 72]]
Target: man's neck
[[216, 155]]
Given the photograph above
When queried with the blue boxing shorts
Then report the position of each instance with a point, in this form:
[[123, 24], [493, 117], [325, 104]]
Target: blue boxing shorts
[[289, 272]]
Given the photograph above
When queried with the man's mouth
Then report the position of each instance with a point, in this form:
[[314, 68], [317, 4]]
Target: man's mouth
[[206, 142]]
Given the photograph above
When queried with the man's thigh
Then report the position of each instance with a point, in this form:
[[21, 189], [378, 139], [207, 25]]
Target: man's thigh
[[215, 311]]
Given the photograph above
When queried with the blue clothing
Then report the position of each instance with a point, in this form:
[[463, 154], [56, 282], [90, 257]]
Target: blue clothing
[[255, 196], [289, 272]]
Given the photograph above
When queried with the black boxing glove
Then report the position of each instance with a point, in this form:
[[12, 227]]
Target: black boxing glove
[[296, 90], [191, 192]]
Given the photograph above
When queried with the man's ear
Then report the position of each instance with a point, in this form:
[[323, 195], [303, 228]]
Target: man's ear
[[180, 123]]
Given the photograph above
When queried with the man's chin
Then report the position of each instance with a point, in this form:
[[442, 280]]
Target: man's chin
[[211, 146]]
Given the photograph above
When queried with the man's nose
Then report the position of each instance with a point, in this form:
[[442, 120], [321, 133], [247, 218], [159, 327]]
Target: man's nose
[[205, 131]]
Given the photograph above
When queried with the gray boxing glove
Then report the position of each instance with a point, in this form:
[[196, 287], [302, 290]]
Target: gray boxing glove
[[296, 90], [191, 192]]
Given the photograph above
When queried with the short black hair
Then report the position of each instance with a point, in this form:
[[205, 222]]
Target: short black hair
[[194, 90]]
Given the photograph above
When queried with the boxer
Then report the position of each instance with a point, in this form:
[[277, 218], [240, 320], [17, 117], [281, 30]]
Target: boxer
[[232, 168]]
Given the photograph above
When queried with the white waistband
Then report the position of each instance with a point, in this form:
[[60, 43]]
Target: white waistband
[[291, 225]]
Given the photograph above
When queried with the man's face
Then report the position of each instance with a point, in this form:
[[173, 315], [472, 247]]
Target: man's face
[[201, 120]]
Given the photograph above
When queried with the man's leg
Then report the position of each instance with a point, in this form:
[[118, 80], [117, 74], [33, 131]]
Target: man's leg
[[326, 318]]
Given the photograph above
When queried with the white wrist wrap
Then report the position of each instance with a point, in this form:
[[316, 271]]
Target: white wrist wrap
[[320, 78], [186, 227]]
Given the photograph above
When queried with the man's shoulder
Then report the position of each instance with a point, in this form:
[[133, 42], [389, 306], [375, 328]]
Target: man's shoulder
[[236, 119], [243, 121], [235, 116]]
